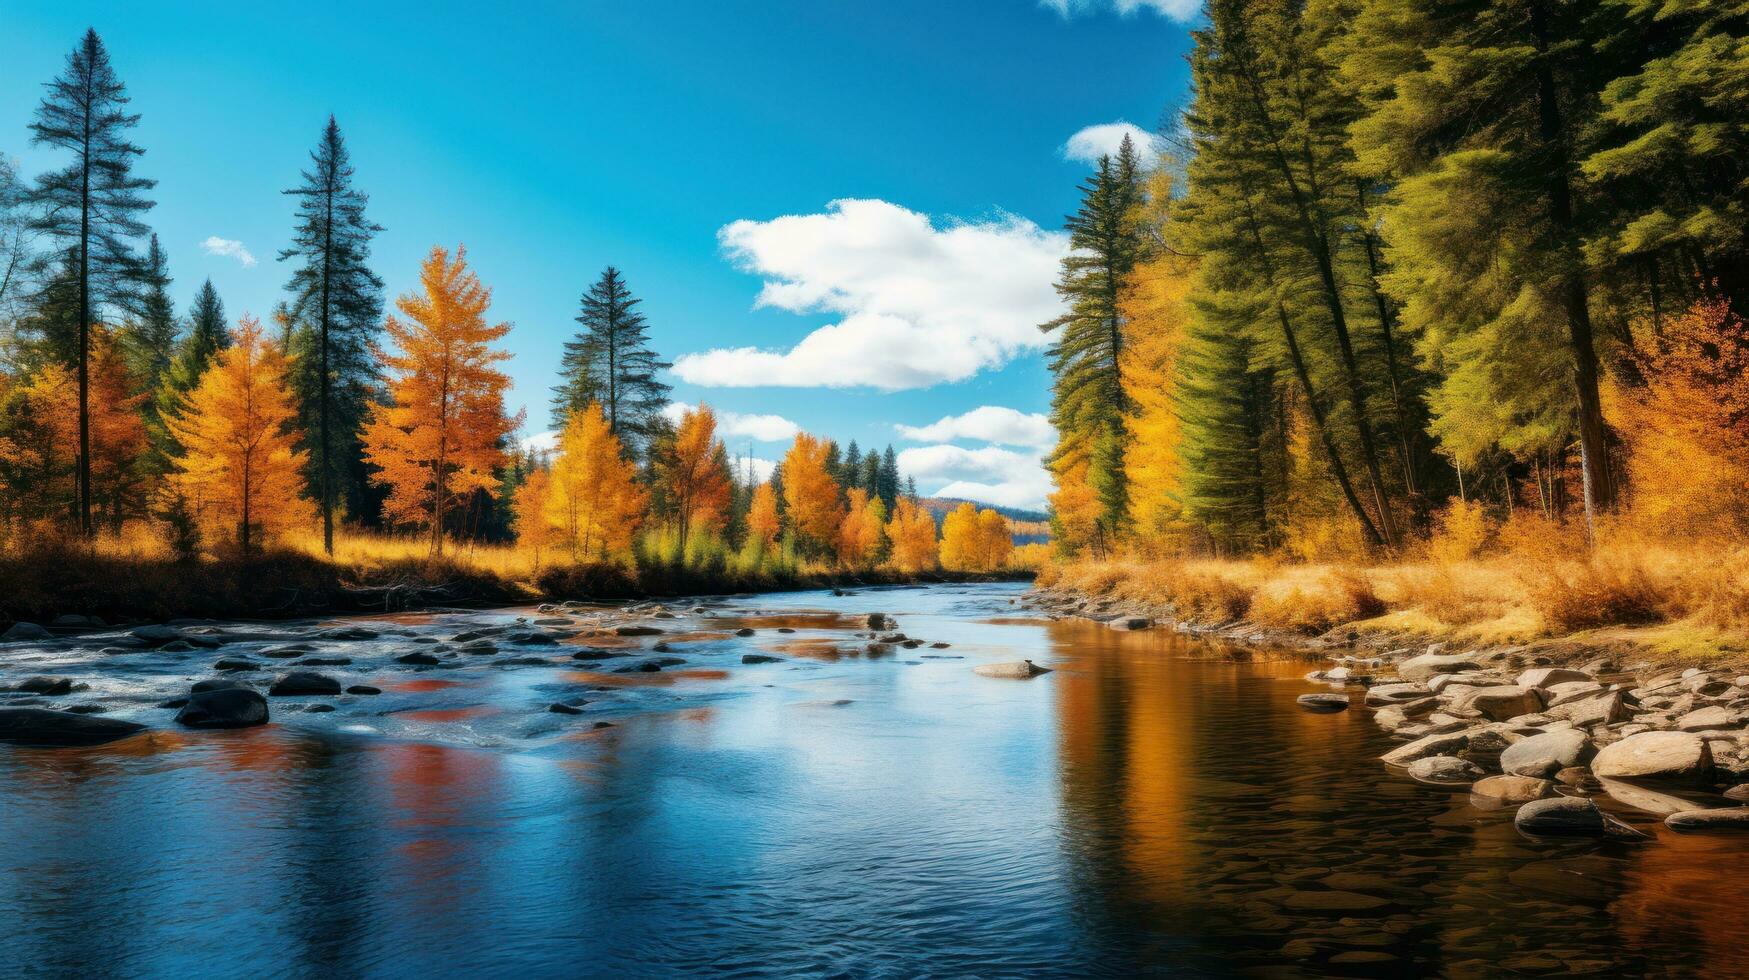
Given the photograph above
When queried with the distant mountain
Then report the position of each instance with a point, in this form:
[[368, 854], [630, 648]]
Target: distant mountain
[[941, 505]]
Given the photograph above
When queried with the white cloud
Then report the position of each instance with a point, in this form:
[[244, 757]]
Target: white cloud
[[921, 303], [542, 442], [214, 245], [987, 423], [736, 425], [1178, 10], [988, 474], [1092, 142]]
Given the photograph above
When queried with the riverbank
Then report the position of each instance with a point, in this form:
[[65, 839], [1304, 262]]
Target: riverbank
[[75, 587], [1652, 715]]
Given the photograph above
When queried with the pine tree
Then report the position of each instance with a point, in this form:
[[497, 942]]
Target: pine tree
[[610, 361], [149, 338], [205, 338], [887, 479], [336, 300], [92, 205], [239, 467], [441, 436]]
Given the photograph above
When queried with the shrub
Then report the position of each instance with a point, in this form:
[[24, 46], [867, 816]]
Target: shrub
[[1461, 531], [1572, 596], [1335, 597]]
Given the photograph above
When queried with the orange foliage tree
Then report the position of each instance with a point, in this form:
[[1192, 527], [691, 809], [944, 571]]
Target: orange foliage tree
[[440, 436], [118, 432], [239, 468], [810, 494], [860, 533], [973, 541], [762, 520], [912, 532], [694, 473], [594, 501]]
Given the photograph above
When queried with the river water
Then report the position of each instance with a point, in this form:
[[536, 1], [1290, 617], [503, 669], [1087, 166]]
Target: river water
[[1154, 805]]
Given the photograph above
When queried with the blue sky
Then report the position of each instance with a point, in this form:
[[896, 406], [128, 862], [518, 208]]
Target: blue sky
[[698, 145]]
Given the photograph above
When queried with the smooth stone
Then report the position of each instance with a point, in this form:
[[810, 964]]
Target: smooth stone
[[1501, 791], [1545, 677], [417, 659], [1734, 819], [1017, 670], [760, 658], [636, 631], [1602, 709], [364, 689], [1444, 770], [303, 682], [1740, 793], [46, 686], [46, 727], [1503, 703], [1676, 757], [1426, 665], [1426, 747], [1542, 756], [1388, 694], [225, 707], [744, 631], [1561, 816], [1711, 717], [1323, 703], [1656, 800], [325, 661], [1334, 901], [25, 632]]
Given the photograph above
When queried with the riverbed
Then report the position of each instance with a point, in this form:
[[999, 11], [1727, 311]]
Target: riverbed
[[1155, 804]]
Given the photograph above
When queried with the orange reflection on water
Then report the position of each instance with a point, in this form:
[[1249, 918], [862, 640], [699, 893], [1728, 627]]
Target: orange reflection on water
[[418, 686], [439, 715]]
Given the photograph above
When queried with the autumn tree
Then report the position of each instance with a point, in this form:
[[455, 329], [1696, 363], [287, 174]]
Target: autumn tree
[[117, 434], [529, 505], [92, 206], [695, 474], [912, 533], [762, 518], [194, 352], [440, 436], [335, 303], [973, 541], [811, 497], [593, 500], [860, 533], [239, 466], [610, 362]]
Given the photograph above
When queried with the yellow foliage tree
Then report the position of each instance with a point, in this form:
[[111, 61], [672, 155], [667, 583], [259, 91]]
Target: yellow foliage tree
[[912, 532], [529, 514], [859, 534], [118, 432], [762, 521], [594, 501], [1076, 513], [810, 494], [694, 475], [973, 541], [1155, 310], [994, 541], [239, 468], [440, 436]]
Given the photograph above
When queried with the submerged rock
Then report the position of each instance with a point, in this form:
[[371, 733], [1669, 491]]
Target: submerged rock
[[226, 707], [1444, 770], [760, 658], [1129, 623], [417, 659], [1675, 757], [25, 632], [1561, 816], [1017, 670], [364, 689], [45, 727], [879, 621], [561, 708], [636, 631], [1501, 791], [1323, 703], [1426, 747], [48, 686], [1733, 819], [744, 631], [304, 682]]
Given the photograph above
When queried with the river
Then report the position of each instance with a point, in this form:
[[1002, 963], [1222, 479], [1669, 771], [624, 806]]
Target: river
[[1153, 805]]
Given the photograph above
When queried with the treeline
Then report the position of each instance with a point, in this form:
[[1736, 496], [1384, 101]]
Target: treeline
[[116, 413], [1401, 265]]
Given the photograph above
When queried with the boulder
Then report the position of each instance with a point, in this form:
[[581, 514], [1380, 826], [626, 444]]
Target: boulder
[[1423, 748], [47, 686], [1541, 756], [1675, 757], [1387, 694], [879, 621], [1502, 703], [303, 683], [1444, 770], [42, 726], [1546, 677], [1129, 623], [24, 632], [364, 689], [744, 631], [1732, 819], [217, 684], [1428, 664], [1602, 709], [226, 707], [1503, 791], [236, 664], [1017, 670], [1561, 816], [760, 658], [1661, 800], [1323, 703], [417, 659], [1715, 716]]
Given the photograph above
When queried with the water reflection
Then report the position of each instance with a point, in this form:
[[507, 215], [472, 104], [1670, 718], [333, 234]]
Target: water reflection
[[1152, 806]]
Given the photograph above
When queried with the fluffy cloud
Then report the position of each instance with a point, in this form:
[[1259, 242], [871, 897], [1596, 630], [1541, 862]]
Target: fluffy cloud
[[214, 245], [1179, 10], [919, 303], [987, 423], [541, 442], [761, 428], [988, 474], [1092, 142]]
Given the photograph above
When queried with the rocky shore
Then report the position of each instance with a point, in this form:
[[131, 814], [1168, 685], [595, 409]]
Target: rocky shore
[[1522, 727]]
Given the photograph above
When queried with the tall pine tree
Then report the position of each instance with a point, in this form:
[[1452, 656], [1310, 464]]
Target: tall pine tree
[[610, 361]]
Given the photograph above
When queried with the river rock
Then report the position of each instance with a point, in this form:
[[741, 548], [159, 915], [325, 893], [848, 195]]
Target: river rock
[[45, 727], [1428, 664], [744, 631], [1652, 798], [1444, 770], [1426, 747], [236, 664], [1541, 756], [364, 689], [1569, 691], [1129, 623], [1323, 703], [878, 621], [1387, 694], [1502, 791], [561, 708], [1604, 709], [47, 686], [1676, 757], [218, 684], [417, 659], [1712, 717], [760, 658], [25, 632], [630, 630], [1545, 677], [1733, 819], [1561, 816], [1018, 670], [230, 707], [346, 634], [303, 683], [1502, 703]]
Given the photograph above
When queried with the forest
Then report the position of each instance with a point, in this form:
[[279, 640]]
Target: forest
[[1435, 309], [369, 437]]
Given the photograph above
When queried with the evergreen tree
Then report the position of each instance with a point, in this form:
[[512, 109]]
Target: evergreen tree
[[610, 361], [207, 335], [887, 480], [869, 475], [149, 343], [336, 300], [93, 206], [16, 255]]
